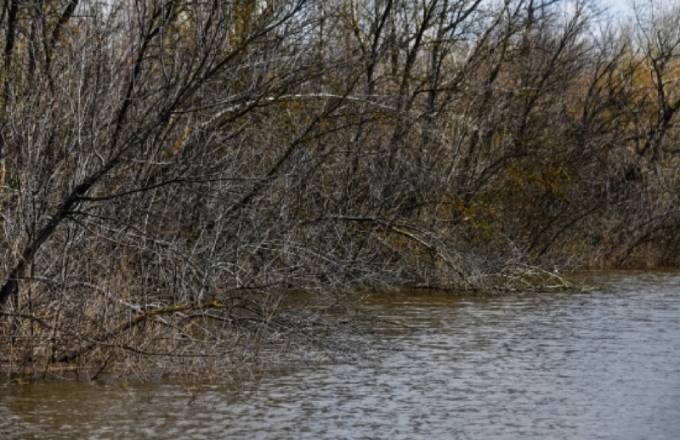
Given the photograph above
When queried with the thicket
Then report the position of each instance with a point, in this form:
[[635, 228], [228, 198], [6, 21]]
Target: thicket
[[169, 167]]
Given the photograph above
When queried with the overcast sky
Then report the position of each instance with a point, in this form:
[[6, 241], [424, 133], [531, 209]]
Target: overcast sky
[[618, 7], [626, 6]]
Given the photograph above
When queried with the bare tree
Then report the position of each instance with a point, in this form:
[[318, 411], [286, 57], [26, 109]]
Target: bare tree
[[170, 168]]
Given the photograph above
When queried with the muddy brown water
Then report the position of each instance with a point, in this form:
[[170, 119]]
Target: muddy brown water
[[603, 364]]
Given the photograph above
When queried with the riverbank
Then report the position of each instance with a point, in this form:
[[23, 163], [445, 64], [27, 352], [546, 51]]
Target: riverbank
[[531, 365], [297, 328]]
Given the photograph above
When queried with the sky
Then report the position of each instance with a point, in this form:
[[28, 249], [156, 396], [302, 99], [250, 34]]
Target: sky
[[617, 7], [625, 7]]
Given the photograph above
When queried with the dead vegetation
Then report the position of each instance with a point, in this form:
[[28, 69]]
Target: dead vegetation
[[168, 168]]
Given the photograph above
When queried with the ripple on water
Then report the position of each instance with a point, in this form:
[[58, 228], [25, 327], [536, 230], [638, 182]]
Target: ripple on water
[[529, 366]]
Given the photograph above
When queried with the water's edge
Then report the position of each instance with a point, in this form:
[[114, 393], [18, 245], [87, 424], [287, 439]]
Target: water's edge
[[597, 364]]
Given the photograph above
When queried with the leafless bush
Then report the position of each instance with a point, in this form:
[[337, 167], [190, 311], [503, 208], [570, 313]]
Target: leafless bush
[[169, 168]]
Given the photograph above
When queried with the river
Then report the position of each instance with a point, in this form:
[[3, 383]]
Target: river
[[575, 365]]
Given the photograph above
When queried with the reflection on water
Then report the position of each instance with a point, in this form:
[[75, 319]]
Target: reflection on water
[[603, 364]]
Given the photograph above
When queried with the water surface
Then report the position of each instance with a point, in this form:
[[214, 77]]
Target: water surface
[[603, 364]]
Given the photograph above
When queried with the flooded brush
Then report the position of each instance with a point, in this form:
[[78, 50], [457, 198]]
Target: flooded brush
[[525, 278], [91, 339], [169, 168]]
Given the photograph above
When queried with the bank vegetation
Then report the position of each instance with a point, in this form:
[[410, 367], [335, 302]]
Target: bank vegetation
[[170, 168]]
